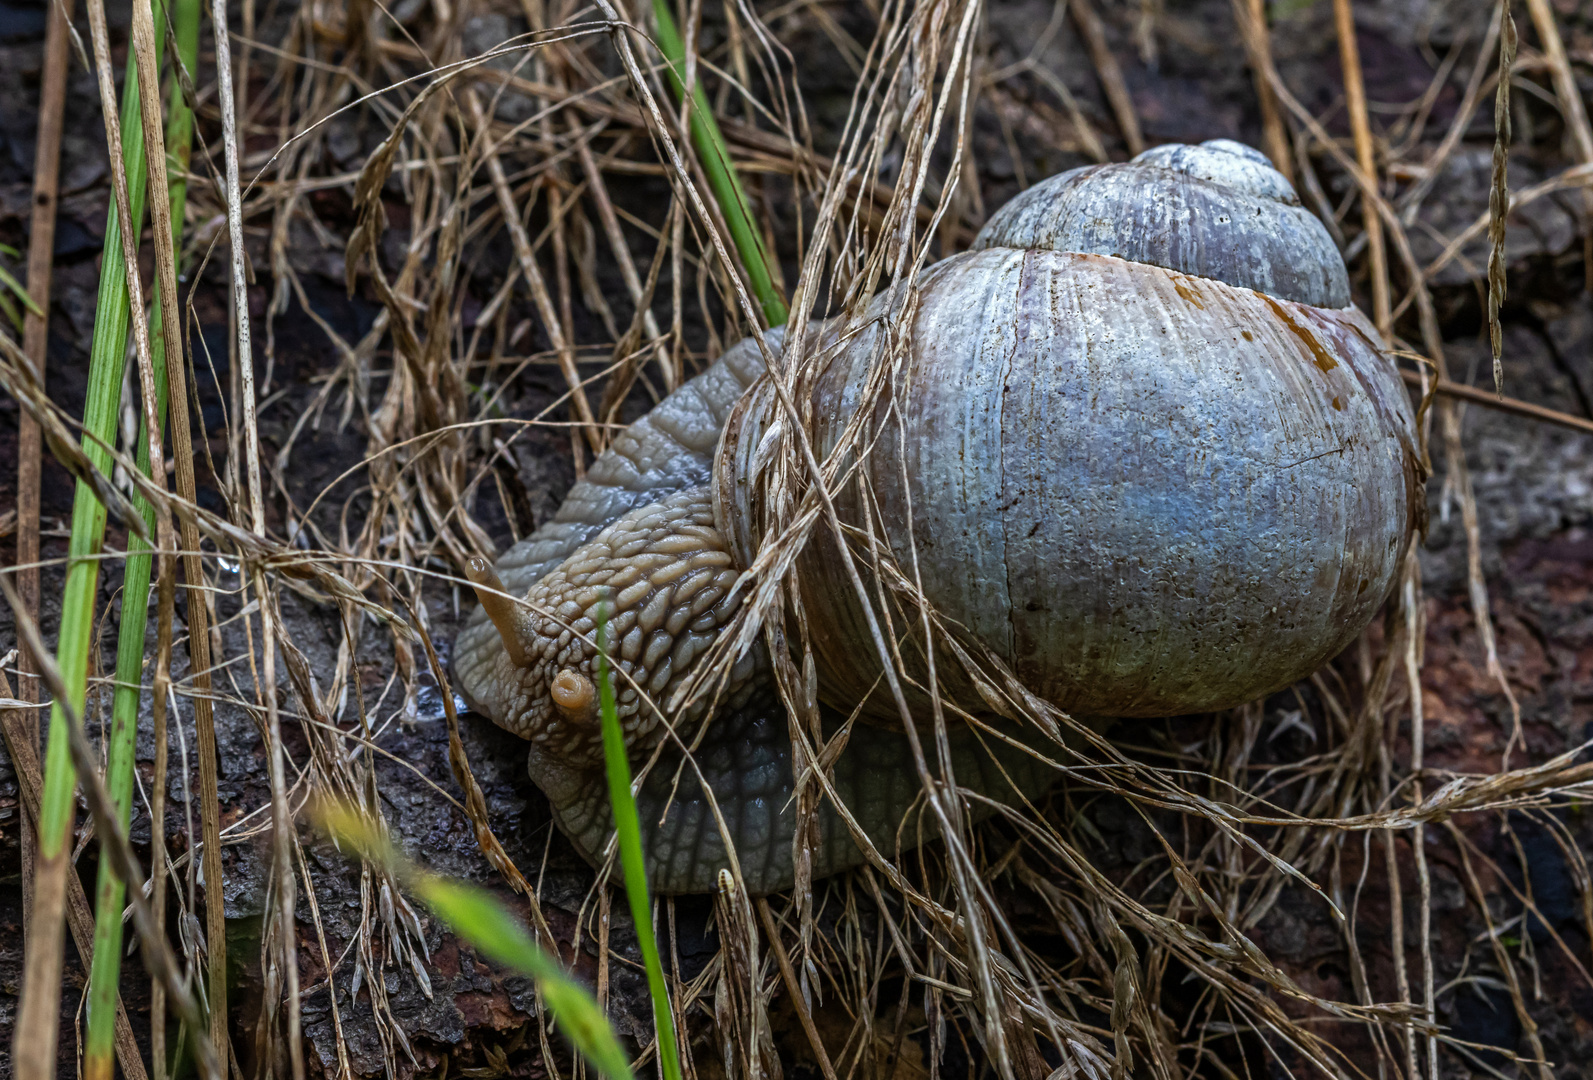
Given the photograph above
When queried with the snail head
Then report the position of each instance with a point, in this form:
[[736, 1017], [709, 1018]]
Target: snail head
[[655, 586]]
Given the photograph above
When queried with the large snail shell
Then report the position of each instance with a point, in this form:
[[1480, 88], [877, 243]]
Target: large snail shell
[[1148, 454]]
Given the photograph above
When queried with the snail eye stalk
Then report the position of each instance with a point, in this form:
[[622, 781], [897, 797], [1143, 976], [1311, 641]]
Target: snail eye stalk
[[499, 608], [574, 695]]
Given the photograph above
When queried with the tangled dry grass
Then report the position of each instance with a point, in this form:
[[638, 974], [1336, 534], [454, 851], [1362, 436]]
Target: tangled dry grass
[[1008, 939]]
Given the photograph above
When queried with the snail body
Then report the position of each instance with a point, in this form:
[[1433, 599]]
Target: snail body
[[624, 540], [1141, 450]]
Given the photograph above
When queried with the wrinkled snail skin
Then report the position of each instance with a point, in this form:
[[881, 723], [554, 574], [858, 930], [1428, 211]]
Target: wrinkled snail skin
[[660, 570], [668, 450], [746, 761], [1140, 449], [665, 453]]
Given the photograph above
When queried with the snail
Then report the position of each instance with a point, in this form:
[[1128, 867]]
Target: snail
[[1142, 450]]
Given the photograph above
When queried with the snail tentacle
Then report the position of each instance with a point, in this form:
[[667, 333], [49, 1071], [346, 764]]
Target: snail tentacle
[[574, 696], [667, 451], [660, 583], [499, 608]]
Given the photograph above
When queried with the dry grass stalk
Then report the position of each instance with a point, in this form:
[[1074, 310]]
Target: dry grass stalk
[[1499, 192], [640, 297], [1573, 110], [21, 745], [1365, 155], [1110, 73], [1081, 124], [1501, 958], [1415, 635], [35, 344], [942, 916], [901, 258], [798, 1001], [1458, 476], [1089, 141], [1579, 176], [1251, 18], [1410, 201], [33, 1049], [1463, 392], [155, 150], [552, 323], [23, 726], [280, 964], [157, 953], [36, 1027], [199, 658]]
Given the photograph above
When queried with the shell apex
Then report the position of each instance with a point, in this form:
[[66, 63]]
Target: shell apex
[[1216, 210]]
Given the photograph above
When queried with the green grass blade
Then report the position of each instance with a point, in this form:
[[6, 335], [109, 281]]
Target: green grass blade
[[104, 394], [720, 170], [9, 310], [478, 918], [15, 286], [627, 826], [105, 967]]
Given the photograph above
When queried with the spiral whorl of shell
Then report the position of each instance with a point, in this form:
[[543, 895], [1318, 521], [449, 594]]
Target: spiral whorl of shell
[[1218, 210]]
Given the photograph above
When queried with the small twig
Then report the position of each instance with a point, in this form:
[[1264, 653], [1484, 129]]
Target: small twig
[[552, 325], [622, 253], [1415, 627], [177, 142], [1565, 87], [1081, 123], [756, 140], [1360, 128], [1501, 957], [281, 821], [36, 321], [475, 800], [1252, 18], [1577, 176], [1463, 392], [1111, 75], [1499, 192], [106, 965], [36, 1028], [1410, 201], [792, 987], [1572, 108]]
